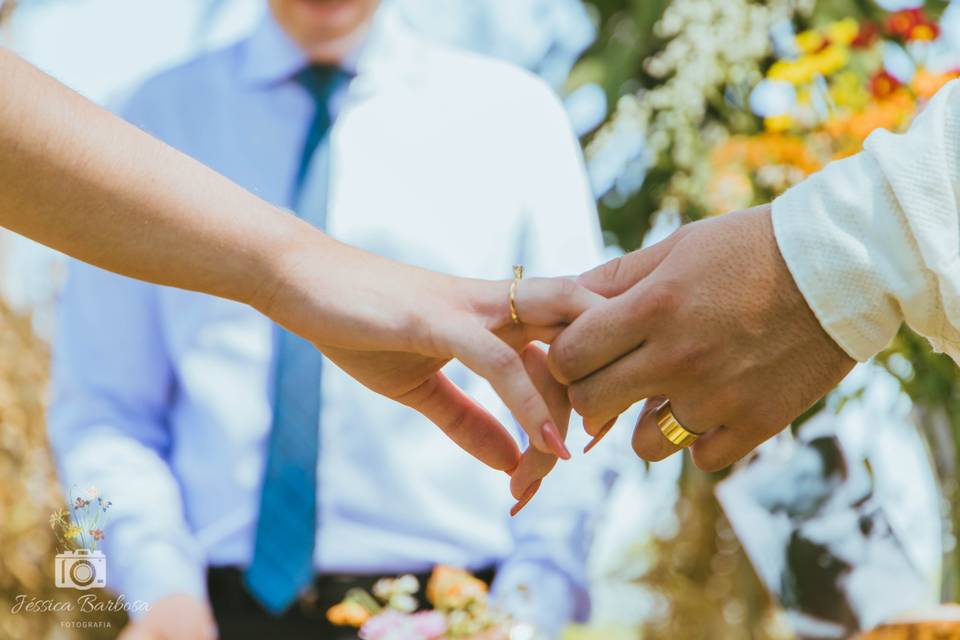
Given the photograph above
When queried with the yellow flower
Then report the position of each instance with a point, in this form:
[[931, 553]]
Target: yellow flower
[[847, 90], [778, 123], [843, 32], [798, 71], [348, 614], [831, 59], [72, 532], [810, 41]]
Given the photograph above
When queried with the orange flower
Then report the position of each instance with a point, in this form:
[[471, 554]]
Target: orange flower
[[453, 588], [901, 23], [755, 152], [925, 83], [348, 614], [892, 113]]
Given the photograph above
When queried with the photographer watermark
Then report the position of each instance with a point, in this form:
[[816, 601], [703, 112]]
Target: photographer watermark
[[79, 565], [81, 569]]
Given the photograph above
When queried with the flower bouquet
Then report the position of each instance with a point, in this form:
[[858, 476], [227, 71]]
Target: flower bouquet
[[82, 526], [744, 98], [826, 89], [461, 610]]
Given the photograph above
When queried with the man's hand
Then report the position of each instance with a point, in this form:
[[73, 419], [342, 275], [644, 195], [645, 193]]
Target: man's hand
[[176, 617], [711, 319]]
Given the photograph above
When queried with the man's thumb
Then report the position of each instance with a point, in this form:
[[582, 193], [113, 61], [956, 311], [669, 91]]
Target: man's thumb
[[616, 276]]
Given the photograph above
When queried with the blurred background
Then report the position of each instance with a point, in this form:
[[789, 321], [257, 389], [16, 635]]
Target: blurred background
[[685, 109]]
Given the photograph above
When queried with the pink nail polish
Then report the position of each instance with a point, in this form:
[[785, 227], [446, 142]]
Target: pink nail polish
[[552, 437], [603, 431], [525, 498]]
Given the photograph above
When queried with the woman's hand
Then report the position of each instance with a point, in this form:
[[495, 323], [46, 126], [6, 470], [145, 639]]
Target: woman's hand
[[393, 327]]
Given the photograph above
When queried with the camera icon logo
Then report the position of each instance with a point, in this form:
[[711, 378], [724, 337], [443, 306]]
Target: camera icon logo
[[81, 569]]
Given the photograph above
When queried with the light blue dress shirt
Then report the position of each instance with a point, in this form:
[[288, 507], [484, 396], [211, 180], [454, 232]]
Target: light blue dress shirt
[[161, 396]]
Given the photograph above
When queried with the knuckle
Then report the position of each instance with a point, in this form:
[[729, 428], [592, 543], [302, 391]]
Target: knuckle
[[503, 358], [689, 360], [563, 360], [568, 288], [611, 270], [582, 398], [661, 298], [530, 404]]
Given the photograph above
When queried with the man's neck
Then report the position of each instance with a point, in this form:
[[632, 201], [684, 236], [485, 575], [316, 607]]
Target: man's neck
[[339, 51]]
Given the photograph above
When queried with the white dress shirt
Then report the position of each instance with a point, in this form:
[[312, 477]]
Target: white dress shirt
[[440, 158], [874, 240]]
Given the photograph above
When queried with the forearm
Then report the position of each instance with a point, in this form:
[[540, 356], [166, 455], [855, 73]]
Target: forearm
[[76, 178], [873, 241]]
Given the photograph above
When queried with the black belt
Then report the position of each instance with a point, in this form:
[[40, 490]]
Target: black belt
[[229, 595]]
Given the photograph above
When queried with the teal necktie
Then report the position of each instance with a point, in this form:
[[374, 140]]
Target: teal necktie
[[282, 563]]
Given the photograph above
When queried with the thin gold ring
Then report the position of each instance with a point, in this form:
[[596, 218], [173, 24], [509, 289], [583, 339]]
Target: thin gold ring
[[517, 277], [671, 428]]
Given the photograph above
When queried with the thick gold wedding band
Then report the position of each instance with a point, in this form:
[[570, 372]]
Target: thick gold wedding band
[[517, 277], [672, 430]]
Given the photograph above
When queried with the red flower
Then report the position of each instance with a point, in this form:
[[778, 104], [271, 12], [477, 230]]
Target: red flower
[[912, 24], [901, 23], [882, 84], [869, 31]]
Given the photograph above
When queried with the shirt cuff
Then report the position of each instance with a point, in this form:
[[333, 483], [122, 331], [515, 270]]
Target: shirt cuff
[[158, 570], [541, 595], [847, 245]]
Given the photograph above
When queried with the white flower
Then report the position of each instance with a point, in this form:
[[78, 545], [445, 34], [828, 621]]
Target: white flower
[[898, 62], [897, 5], [772, 98]]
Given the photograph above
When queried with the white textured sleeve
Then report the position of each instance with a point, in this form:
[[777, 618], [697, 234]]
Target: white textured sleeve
[[874, 240]]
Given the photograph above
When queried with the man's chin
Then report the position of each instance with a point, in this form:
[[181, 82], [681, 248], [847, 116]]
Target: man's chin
[[329, 12]]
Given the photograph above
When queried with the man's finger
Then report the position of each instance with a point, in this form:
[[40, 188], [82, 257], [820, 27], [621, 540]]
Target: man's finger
[[610, 391], [616, 276], [491, 358], [534, 464], [648, 441], [723, 446], [465, 422]]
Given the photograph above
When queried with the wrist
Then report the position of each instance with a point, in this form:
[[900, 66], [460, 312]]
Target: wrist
[[277, 266], [338, 296]]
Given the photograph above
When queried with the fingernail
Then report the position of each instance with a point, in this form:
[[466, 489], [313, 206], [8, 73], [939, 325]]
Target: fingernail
[[525, 498], [552, 437], [603, 431]]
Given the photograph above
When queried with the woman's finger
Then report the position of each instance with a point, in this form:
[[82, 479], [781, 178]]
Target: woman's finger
[[534, 464], [491, 358], [539, 302], [546, 302], [465, 422]]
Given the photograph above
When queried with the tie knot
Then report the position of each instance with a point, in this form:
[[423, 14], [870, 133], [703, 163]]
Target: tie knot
[[321, 80]]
